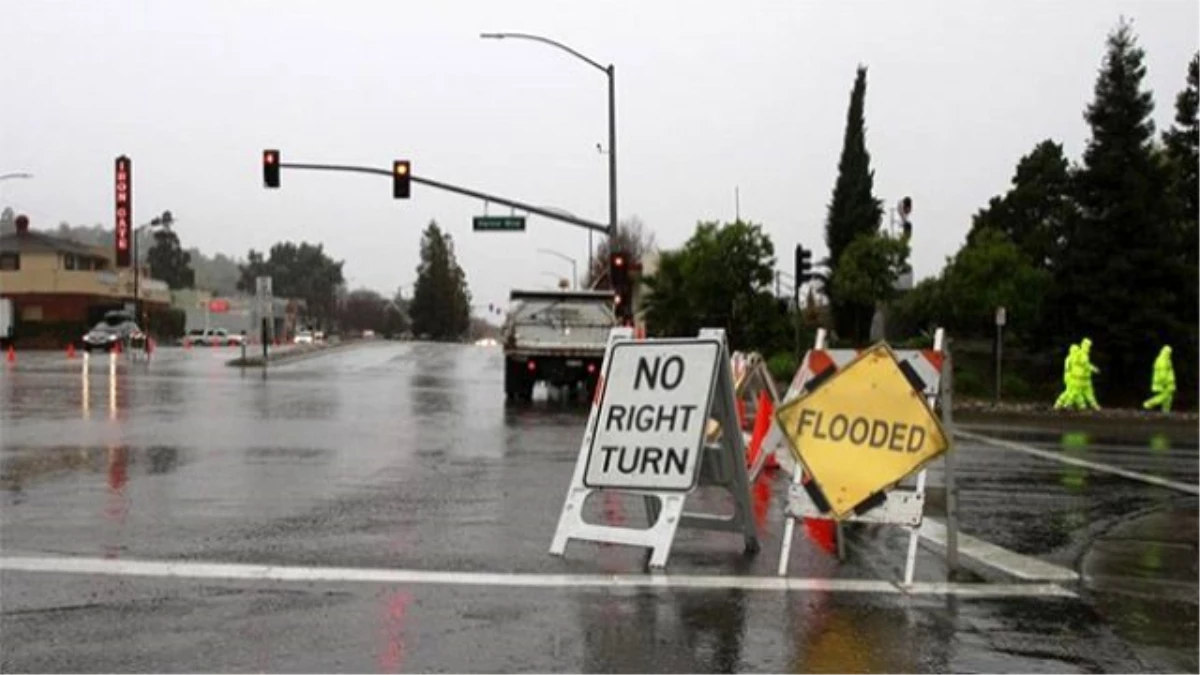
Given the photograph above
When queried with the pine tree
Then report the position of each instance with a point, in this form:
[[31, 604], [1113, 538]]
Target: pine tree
[[1037, 210], [169, 262], [1119, 270], [1183, 159], [854, 210], [441, 305]]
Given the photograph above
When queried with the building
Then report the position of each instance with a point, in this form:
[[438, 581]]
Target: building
[[59, 288], [236, 314]]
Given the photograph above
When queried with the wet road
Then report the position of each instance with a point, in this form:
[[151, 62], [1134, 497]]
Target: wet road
[[393, 456]]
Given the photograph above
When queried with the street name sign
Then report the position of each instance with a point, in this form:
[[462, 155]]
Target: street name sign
[[650, 428], [498, 223], [862, 430]]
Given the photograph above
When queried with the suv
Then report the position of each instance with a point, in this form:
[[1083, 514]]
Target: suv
[[117, 327]]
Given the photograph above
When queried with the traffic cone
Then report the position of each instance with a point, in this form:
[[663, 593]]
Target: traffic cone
[[11, 357], [70, 350], [762, 424]]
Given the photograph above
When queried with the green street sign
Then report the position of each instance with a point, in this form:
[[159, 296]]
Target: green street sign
[[499, 223]]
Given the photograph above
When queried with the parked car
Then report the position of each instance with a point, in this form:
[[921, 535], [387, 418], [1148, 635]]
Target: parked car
[[212, 337], [116, 327]]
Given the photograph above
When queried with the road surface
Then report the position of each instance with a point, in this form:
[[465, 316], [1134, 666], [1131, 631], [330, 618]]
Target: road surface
[[382, 509]]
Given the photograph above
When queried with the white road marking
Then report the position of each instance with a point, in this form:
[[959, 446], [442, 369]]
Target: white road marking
[[1010, 562], [1094, 466], [233, 571]]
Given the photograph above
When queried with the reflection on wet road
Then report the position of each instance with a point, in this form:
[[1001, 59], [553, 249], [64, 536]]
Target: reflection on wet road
[[405, 456]]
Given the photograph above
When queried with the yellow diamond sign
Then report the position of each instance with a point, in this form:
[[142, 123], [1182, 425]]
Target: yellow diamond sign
[[863, 430]]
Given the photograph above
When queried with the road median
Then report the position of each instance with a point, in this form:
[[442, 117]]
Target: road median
[[289, 353]]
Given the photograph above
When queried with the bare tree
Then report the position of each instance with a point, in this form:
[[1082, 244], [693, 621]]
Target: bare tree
[[633, 238]]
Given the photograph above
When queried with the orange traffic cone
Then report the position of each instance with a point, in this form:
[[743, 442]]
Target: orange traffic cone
[[12, 355], [762, 424], [70, 350]]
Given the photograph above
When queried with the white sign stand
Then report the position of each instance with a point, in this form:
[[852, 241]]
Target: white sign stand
[[645, 436]]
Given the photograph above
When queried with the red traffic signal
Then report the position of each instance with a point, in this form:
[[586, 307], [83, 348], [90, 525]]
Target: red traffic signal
[[271, 168]]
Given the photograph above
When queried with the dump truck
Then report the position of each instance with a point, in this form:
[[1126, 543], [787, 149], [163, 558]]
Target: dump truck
[[557, 338]]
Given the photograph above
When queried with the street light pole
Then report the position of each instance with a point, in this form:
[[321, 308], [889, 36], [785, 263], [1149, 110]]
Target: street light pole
[[574, 269], [164, 220], [610, 71]]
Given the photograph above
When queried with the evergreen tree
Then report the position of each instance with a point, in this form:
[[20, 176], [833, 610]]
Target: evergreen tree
[[854, 210], [303, 271], [1183, 161], [1120, 269], [169, 262], [1038, 209], [1182, 142], [441, 305]]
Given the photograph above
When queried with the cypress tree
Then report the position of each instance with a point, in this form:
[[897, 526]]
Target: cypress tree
[[854, 210]]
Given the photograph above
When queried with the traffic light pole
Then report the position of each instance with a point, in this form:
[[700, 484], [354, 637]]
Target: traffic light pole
[[467, 192]]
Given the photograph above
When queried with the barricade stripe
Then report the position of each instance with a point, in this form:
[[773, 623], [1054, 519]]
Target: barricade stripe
[[913, 378], [820, 378], [876, 499]]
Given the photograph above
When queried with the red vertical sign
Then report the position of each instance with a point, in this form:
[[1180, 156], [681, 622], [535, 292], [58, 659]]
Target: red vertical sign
[[124, 227]]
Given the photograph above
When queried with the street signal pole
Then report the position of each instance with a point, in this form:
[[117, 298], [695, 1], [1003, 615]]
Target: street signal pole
[[402, 177]]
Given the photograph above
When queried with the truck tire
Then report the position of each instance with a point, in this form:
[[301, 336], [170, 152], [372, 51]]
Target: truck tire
[[511, 384], [518, 384]]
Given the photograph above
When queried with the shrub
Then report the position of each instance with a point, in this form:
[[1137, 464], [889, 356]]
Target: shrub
[[782, 366]]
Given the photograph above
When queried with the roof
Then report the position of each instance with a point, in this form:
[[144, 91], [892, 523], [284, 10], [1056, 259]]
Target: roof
[[34, 241]]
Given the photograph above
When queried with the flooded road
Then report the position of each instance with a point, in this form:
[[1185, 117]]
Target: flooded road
[[280, 501]]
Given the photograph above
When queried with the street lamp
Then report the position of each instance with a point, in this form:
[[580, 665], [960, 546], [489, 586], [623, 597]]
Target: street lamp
[[574, 271], [15, 174], [610, 71]]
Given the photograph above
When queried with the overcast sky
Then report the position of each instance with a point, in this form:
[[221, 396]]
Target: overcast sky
[[711, 96]]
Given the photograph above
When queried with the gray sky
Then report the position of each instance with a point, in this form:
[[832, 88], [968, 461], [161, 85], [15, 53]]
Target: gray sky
[[710, 95]]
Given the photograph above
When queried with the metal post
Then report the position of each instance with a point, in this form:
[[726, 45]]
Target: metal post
[[137, 310], [999, 357], [612, 152], [947, 396]]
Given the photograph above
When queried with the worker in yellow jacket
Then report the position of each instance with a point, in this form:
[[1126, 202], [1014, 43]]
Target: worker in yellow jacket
[[1070, 398], [1162, 382], [1084, 374]]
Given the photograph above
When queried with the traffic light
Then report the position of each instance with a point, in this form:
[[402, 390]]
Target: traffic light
[[401, 179], [271, 168], [803, 264], [618, 276]]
